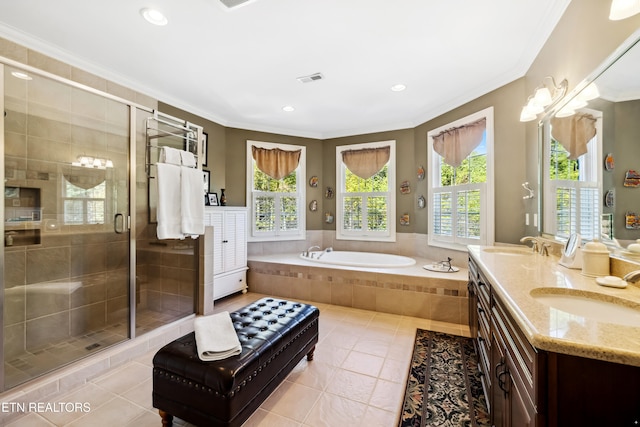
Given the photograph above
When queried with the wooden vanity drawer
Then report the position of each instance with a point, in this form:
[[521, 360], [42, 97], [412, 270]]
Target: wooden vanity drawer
[[520, 350]]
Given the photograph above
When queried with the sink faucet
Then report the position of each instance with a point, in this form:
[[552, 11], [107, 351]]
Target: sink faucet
[[632, 277], [533, 240]]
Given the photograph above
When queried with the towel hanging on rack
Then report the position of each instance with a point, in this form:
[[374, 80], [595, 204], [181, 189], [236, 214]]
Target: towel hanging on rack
[[180, 196]]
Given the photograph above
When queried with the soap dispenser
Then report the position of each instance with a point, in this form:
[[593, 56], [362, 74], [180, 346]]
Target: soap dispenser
[[595, 259]]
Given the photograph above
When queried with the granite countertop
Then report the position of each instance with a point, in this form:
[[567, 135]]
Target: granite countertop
[[514, 277]]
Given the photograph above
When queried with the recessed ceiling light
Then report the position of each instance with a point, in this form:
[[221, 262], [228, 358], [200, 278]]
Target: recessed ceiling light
[[21, 75], [398, 88], [288, 108], [154, 16]]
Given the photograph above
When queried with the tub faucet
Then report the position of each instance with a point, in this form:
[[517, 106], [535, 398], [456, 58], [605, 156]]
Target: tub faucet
[[329, 249], [632, 277], [308, 252], [533, 240]]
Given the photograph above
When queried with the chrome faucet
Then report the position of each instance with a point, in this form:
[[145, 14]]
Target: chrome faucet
[[329, 249], [632, 277], [533, 240], [308, 252]]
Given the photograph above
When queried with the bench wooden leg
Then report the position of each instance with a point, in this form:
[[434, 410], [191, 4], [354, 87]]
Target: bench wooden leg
[[310, 354], [167, 419]]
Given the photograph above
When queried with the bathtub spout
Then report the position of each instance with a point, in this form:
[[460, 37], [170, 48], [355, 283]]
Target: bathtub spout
[[329, 249]]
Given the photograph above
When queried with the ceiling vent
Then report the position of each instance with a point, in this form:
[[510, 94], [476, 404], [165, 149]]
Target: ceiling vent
[[310, 78], [233, 3]]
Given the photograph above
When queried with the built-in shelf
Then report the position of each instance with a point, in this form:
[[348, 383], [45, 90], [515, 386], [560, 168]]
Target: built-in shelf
[[22, 215]]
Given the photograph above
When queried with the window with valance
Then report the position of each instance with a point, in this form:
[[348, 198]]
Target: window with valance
[[460, 192], [276, 191], [365, 194]]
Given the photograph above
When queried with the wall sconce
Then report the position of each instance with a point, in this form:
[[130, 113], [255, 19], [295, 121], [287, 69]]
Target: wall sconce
[[544, 97], [621, 9], [92, 162], [581, 100]]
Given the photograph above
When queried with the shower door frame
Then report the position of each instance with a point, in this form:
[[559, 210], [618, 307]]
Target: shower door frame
[[130, 222]]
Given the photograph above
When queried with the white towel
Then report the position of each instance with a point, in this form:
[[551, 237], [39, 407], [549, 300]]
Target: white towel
[[216, 337], [188, 159], [192, 202], [170, 155], [169, 206]]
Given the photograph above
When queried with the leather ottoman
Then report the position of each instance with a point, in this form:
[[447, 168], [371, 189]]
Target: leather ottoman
[[274, 334]]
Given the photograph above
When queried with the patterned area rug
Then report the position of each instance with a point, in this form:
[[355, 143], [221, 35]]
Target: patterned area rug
[[443, 388]]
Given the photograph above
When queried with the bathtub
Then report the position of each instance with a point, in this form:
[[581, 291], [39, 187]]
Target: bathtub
[[359, 259]]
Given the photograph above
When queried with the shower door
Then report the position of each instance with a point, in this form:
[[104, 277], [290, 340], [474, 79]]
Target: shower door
[[66, 259]]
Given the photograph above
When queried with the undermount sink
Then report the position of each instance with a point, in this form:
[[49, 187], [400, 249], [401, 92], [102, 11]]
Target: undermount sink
[[508, 250], [590, 305]]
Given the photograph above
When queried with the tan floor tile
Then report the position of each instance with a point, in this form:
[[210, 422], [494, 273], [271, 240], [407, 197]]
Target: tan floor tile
[[330, 354], [30, 420], [376, 417], [292, 400], [387, 395], [117, 411], [375, 346], [394, 370], [315, 374], [333, 411], [363, 363], [262, 418], [352, 385], [146, 419], [90, 393], [141, 394], [125, 378]]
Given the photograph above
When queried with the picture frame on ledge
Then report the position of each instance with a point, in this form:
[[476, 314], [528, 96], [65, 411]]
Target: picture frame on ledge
[[211, 199], [207, 178]]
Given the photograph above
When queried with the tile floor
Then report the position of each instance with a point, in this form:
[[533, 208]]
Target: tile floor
[[356, 379]]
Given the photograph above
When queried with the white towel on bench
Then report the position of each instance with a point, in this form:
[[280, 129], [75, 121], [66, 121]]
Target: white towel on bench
[[216, 337]]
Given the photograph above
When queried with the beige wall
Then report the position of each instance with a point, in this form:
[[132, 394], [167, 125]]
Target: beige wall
[[581, 41]]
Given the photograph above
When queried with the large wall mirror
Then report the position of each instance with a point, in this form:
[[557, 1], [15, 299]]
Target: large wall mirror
[[590, 154]]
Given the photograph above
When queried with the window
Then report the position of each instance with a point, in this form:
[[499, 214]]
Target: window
[[460, 193], [572, 204], [83, 205], [276, 202], [365, 193]]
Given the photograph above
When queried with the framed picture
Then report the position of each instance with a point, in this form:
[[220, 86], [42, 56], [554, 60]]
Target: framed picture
[[207, 177], [205, 147], [212, 199]]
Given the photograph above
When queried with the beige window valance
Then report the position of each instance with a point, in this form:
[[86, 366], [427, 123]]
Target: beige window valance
[[455, 144], [366, 162], [275, 162], [574, 133]]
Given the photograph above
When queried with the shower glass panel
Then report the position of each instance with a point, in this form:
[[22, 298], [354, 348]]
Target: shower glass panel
[[66, 204], [166, 270]]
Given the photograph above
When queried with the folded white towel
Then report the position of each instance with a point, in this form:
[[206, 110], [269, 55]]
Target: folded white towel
[[188, 159], [192, 202], [169, 206], [216, 337], [170, 155]]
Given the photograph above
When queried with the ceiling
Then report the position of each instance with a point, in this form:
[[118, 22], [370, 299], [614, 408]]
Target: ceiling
[[238, 67]]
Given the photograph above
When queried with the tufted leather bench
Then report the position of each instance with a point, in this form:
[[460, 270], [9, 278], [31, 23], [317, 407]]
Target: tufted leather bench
[[275, 335]]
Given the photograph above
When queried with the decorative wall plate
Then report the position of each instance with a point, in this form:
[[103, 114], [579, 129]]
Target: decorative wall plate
[[313, 181], [313, 206], [420, 173], [610, 199], [609, 163], [405, 187], [421, 202], [328, 193]]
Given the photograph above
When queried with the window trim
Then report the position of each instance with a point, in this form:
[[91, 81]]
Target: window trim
[[301, 234], [342, 234], [487, 211]]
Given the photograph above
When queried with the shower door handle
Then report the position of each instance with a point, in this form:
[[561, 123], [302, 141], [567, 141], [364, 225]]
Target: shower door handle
[[118, 230]]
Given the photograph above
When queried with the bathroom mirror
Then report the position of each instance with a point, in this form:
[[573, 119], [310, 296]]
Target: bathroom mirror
[[614, 151]]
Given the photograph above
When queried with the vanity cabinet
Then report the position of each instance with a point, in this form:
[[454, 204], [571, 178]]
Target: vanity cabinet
[[229, 249], [527, 386]]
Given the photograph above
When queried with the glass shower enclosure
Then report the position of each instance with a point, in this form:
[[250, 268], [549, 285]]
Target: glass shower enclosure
[[76, 202]]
